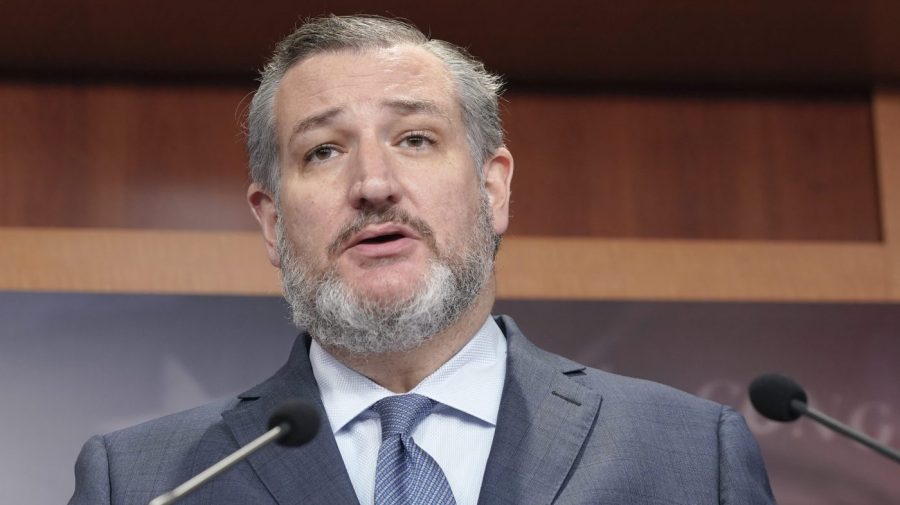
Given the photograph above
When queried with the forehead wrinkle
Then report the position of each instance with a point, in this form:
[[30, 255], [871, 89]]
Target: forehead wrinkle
[[408, 107], [315, 121]]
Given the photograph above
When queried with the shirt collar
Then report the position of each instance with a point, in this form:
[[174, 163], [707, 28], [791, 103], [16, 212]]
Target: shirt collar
[[471, 381]]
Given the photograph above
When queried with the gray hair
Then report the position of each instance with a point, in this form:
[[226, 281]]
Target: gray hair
[[478, 90]]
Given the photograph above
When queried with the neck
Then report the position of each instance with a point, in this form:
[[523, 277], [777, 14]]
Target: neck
[[400, 372]]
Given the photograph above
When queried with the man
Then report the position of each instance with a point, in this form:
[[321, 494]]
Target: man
[[381, 185]]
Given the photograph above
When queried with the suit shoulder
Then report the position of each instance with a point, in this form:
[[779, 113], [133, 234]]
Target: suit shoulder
[[182, 428], [637, 393], [135, 464]]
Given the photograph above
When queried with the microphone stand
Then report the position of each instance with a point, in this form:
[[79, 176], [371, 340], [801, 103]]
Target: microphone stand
[[843, 429], [226, 463]]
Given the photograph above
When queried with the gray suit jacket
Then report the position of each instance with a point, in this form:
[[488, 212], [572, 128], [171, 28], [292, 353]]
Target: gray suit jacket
[[566, 434]]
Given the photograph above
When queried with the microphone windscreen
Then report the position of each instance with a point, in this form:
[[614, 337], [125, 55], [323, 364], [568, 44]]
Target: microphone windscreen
[[302, 421], [771, 395]]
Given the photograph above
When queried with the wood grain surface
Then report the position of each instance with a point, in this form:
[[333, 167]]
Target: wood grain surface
[[122, 155], [134, 261], [887, 129], [171, 157], [693, 167], [33, 259]]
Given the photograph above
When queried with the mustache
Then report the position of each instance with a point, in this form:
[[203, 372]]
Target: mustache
[[369, 217]]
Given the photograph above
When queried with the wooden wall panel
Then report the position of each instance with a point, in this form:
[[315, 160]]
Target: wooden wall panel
[[142, 261], [682, 167], [122, 156], [593, 166], [134, 261], [887, 128]]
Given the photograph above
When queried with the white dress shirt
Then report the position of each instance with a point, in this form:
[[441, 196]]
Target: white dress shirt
[[457, 434]]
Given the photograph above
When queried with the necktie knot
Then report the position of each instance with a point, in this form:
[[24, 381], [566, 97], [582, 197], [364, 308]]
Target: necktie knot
[[405, 473], [400, 414]]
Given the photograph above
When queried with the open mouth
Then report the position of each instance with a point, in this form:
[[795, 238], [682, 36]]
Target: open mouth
[[382, 239]]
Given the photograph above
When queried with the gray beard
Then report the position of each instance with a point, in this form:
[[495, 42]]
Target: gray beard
[[338, 318]]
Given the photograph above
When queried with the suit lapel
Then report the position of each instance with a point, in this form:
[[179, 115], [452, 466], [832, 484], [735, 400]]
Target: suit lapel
[[545, 417], [311, 474]]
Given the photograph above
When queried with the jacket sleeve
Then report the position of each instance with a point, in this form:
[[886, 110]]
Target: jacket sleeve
[[92, 474], [742, 473]]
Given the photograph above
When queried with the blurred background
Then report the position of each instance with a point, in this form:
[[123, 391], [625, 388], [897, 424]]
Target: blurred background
[[705, 190]]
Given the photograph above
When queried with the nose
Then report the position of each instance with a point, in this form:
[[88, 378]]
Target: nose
[[374, 185]]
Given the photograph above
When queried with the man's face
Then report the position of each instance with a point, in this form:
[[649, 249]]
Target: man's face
[[377, 179]]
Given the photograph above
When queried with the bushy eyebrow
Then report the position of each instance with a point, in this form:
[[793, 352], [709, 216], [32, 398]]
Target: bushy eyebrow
[[409, 107], [403, 107], [315, 121]]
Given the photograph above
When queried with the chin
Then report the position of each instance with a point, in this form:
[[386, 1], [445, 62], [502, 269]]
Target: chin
[[388, 284], [386, 294], [385, 278]]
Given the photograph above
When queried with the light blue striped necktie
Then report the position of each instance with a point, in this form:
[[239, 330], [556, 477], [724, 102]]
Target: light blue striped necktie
[[406, 474]]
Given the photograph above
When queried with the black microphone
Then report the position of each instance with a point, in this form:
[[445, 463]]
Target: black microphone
[[292, 424], [781, 399]]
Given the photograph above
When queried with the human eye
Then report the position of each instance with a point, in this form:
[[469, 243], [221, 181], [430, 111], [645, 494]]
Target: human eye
[[417, 140], [321, 153]]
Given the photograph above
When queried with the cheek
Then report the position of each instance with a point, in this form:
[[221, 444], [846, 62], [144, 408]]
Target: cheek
[[455, 218], [307, 225]]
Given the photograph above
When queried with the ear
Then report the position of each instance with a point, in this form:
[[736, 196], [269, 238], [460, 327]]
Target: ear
[[263, 207], [498, 172]]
